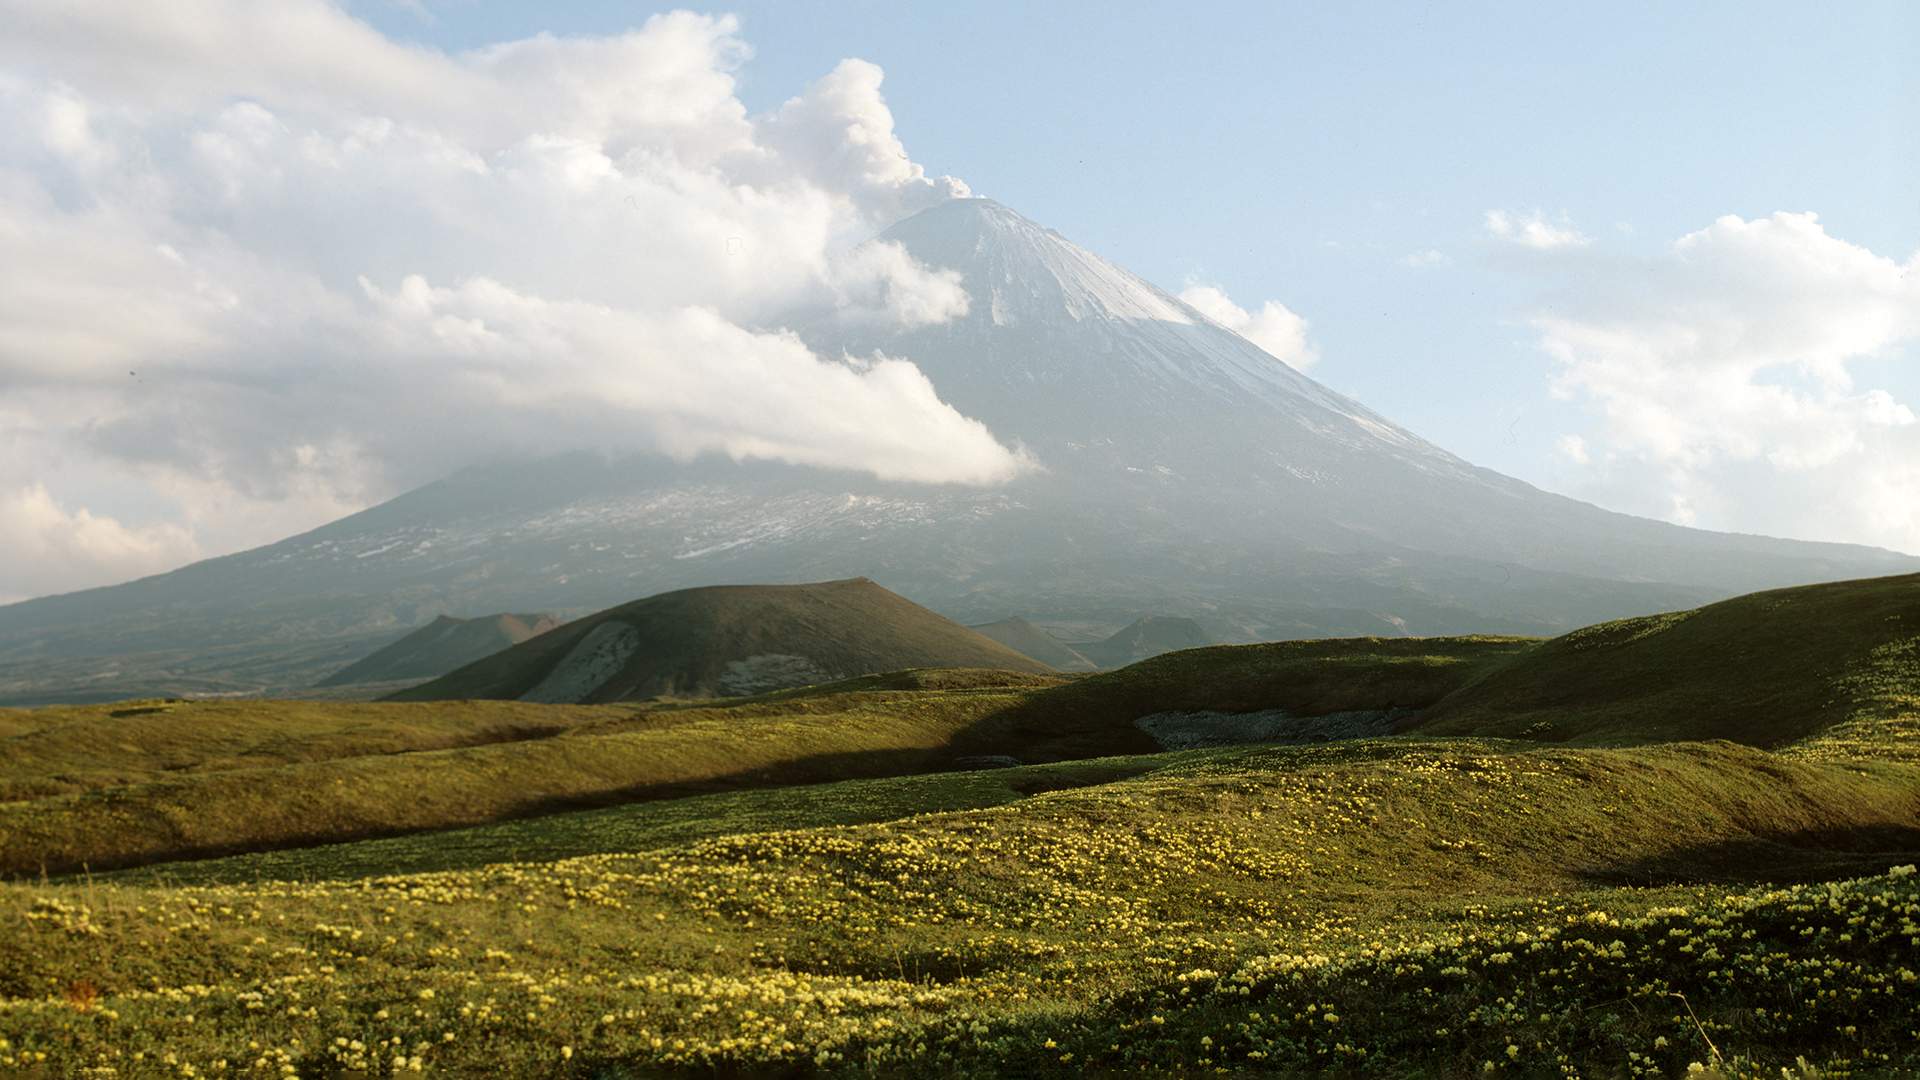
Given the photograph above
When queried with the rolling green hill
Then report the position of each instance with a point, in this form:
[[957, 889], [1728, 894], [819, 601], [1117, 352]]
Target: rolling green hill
[[1754, 817], [519, 760], [1828, 672], [1818, 666], [65, 750], [736, 639], [114, 786], [1094, 715], [800, 882], [1415, 907]]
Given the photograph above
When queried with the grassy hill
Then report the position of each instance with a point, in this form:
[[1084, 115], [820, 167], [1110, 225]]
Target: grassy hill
[[147, 806], [115, 786], [1759, 820], [140, 783], [1094, 715], [1821, 666], [441, 646], [738, 639], [66, 750], [651, 825], [1409, 906], [1666, 876]]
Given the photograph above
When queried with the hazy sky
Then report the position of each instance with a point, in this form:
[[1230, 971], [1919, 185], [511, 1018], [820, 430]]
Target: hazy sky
[[1660, 258]]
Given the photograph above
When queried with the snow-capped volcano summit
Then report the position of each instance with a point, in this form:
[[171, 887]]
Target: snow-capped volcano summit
[[1181, 471], [1017, 270], [1065, 352]]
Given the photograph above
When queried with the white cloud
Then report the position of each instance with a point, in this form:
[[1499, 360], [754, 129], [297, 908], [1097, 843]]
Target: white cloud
[[54, 549], [1722, 372], [880, 282], [271, 253], [1532, 229], [840, 134], [1274, 328], [484, 349], [1424, 258], [1574, 449]]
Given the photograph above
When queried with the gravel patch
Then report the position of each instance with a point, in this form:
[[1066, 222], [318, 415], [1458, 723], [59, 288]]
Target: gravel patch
[[1189, 730], [763, 672], [596, 658]]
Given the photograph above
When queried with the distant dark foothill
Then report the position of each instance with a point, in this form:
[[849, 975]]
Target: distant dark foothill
[[1023, 637], [1149, 636], [727, 641], [441, 646]]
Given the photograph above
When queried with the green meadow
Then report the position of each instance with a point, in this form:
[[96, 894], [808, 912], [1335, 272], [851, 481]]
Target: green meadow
[[1662, 847]]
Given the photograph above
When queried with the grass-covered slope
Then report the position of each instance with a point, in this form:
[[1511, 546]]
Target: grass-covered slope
[[1094, 714], [651, 825], [731, 639], [1405, 907], [1824, 664], [1829, 669], [441, 646], [115, 786], [124, 811], [1410, 906], [71, 749], [1781, 821]]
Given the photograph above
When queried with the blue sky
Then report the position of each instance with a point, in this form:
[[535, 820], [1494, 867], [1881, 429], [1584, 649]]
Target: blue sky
[[1301, 151]]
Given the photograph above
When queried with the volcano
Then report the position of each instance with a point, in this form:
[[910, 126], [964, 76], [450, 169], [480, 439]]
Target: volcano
[[1181, 471]]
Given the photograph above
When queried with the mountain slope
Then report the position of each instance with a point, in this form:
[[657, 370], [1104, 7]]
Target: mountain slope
[[725, 640], [1139, 400], [1183, 471], [1029, 640], [441, 646], [1094, 366]]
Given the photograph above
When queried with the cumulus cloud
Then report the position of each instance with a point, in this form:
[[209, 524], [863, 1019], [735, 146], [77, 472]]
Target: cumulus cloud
[[1723, 374], [1427, 257], [1531, 229], [483, 348], [880, 283], [1274, 327], [69, 549], [840, 134], [275, 265]]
